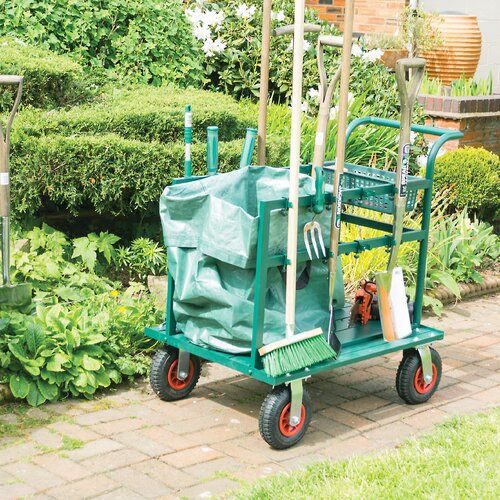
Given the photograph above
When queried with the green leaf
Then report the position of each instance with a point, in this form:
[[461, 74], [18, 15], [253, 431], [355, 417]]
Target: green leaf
[[102, 378], [18, 352], [48, 391], [34, 337], [19, 385], [86, 250], [105, 244], [448, 281], [55, 364], [91, 364], [35, 397]]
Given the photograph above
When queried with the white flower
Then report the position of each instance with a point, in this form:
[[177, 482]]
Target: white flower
[[372, 55], [213, 18], [201, 32], [350, 99], [413, 136], [278, 16], [245, 12], [304, 107], [195, 15], [313, 93], [307, 46], [356, 50], [333, 112], [212, 47]]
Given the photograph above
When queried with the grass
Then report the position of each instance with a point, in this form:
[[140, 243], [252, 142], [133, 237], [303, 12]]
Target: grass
[[459, 459]]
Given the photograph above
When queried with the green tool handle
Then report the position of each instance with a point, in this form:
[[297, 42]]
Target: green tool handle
[[212, 150], [319, 196], [5, 144], [248, 147], [407, 94], [188, 140]]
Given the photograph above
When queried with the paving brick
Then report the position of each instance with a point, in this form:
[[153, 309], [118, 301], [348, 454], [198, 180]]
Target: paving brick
[[191, 456], [171, 476], [331, 427], [150, 447], [207, 469], [211, 488], [61, 466], [425, 419], [119, 426], [16, 490], [139, 482], [99, 417], [215, 434], [364, 404], [93, 448], [120, 494], [243, 455], [85, 488], [74, 431], [166, 438], [113, 460], [38, 477], [17, 452], [355, 445], [389, 434], [347, 418], [464, 405], [45, 438], [490, 396]]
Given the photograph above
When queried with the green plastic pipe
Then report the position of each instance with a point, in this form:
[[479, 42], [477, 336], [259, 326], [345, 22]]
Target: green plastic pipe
[[212, 150], [248, 147], [188, 140]]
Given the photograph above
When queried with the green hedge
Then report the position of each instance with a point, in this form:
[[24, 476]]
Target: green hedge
[[145, 113], [104, 173], [50, 80], [473, 174]]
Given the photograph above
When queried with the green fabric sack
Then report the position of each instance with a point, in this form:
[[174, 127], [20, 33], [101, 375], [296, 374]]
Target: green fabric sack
[[210, 229]]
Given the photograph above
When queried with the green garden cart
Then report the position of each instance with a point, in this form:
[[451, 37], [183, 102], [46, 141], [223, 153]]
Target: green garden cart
[[176, 366], [229, 262]]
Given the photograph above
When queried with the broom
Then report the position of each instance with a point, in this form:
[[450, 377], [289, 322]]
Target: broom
[[295, 352]]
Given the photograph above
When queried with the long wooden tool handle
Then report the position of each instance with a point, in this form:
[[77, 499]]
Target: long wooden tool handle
[[293, 211], [340, 156], [11, 80], [264, 81], [407, 95]]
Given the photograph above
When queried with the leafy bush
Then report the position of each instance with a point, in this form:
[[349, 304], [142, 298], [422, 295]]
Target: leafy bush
[[473, 174], [50, 80], [142, 258], [230, 35], [82, 333], [144, 40], [144, 113], [105, 173]]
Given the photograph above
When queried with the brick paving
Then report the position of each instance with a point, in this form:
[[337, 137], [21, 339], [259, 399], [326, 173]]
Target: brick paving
[[132, 445]]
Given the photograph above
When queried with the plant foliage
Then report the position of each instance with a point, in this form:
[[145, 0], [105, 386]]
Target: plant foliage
[[82, 332], [473, 174], [141, 40]]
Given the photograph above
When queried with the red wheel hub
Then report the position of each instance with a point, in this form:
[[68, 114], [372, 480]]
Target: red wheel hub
[[284, 423], [176, 383], [418, 381]]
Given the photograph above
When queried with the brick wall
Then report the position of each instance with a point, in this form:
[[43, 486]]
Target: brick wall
[[379, 16]]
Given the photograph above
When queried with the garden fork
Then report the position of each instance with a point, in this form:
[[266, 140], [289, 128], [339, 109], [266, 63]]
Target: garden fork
[[312, 230]]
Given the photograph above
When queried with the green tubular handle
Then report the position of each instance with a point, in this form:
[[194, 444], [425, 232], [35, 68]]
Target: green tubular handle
[[188, 140], [212, 150], [319, 197], [248, 147]]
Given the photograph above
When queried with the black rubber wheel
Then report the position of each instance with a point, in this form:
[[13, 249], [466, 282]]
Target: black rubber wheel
[[163, 375], [274, 424], [410, 382]]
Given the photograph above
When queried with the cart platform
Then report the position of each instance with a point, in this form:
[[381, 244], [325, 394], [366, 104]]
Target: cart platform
[[359, 342]]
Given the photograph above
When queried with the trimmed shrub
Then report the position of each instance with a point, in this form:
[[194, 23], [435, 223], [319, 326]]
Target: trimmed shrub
[[145, 113], [50, 80], [143, 40], [105, 173], [474, 176]]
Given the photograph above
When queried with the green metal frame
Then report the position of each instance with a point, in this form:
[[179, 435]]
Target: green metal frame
[[359, 342]]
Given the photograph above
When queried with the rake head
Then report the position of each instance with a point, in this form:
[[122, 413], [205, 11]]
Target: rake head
[[313, 235]]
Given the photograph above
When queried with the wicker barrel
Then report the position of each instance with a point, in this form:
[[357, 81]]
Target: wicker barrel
[[460, 50]]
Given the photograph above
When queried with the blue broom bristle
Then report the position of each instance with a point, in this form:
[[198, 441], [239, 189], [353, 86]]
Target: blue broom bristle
[[297, 356]]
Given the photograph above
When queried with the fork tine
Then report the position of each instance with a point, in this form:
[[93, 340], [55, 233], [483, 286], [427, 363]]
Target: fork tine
[[321, 241], [313, 239], [306, 240]]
